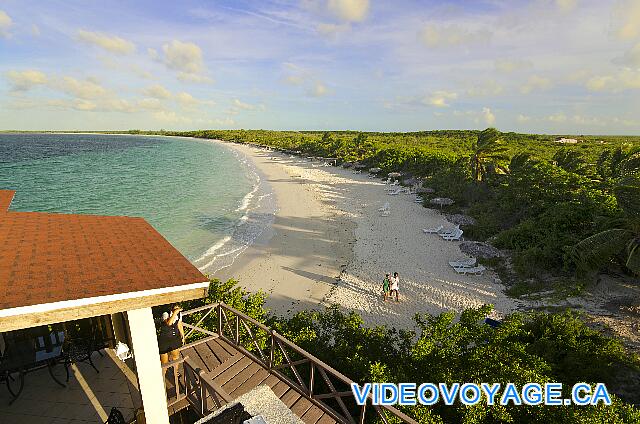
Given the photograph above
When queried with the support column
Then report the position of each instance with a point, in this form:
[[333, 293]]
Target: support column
[[148, 368]]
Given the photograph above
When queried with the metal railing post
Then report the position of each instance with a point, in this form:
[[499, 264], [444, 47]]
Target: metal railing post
[[271, 351], [363, 412], [311, 377], [237, 329]]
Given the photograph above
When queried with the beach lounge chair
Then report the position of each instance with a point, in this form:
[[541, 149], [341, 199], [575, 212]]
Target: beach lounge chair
[[463, 263], [476, 270], [396, 192], [418, 199], [448, 231], [434, 230], [454, 236], [392, 186], [385, 212], [384, 207]]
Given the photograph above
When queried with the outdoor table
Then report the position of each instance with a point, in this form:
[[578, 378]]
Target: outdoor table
[[36, 350]]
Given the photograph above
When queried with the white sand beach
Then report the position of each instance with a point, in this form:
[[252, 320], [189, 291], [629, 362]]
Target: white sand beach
[[330, 244]]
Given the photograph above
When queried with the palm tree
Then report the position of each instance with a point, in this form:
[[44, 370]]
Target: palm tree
[[595, 251], [487, 152]]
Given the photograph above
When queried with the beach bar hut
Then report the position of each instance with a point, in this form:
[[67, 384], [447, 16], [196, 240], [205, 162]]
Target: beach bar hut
[[57, 268]]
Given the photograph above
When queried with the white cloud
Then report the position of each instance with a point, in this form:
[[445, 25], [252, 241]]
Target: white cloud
[[440, 98], [623, 80], [195, 78], [631, 57], [157, 91], [488, 116], [294, 79], [5, 24], [186, 99], [25, 80], [107, 42], [440, 36], [83, 89], [523, 118], [184, 57], [150, 104], [535, 83], [332, 30], [508, 66], [557, 118], [485, 88], [349, 10], [627, 19], [171, 117], [319, 90], [237, 103], [566, 5], [483, 117]]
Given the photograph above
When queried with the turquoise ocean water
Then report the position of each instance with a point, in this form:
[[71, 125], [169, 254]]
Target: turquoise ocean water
[[206, 199]]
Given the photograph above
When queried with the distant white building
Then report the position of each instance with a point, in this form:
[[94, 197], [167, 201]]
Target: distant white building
[[567, 141]]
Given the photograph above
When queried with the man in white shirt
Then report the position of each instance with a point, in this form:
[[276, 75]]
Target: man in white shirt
[[395, 285]]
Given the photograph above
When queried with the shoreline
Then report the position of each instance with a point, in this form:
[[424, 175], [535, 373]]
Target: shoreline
[[298, 259]]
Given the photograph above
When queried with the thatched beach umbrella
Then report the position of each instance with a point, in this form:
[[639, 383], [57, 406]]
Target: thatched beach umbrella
[[442, 201], [375, 170]]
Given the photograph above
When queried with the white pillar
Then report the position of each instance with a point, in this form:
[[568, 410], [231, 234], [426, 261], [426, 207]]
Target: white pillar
[[148, 368]]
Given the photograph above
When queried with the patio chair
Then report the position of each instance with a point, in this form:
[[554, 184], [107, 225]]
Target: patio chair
[[386, 212], [115, 417], [463, 263], [396, 192], [79, 349]]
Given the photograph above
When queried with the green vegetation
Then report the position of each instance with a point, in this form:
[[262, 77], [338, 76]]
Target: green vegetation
[[527, 193], [531, 347]]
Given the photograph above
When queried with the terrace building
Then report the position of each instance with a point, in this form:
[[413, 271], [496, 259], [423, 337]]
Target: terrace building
[[78, 285]]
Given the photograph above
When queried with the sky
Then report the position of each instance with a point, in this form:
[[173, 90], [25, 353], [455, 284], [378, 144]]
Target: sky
[[543, 66]]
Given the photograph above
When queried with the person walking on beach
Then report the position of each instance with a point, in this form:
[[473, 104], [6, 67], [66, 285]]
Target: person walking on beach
[[395, 284], [386, 284]]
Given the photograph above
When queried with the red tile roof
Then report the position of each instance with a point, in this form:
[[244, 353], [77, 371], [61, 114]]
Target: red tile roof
[[46, 257], [6, 196]]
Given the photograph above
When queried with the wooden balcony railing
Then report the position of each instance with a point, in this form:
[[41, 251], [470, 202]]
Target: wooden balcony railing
[[324, 386]]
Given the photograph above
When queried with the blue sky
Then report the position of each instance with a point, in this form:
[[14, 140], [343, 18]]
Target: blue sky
[[553, 66]]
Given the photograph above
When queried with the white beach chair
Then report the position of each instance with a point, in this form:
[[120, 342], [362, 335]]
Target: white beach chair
[[447, 231], [396, 192], [392, 186], [434, 230], [476, 270], [455, 236], [463, 263], [384, 207], [386, 212]]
